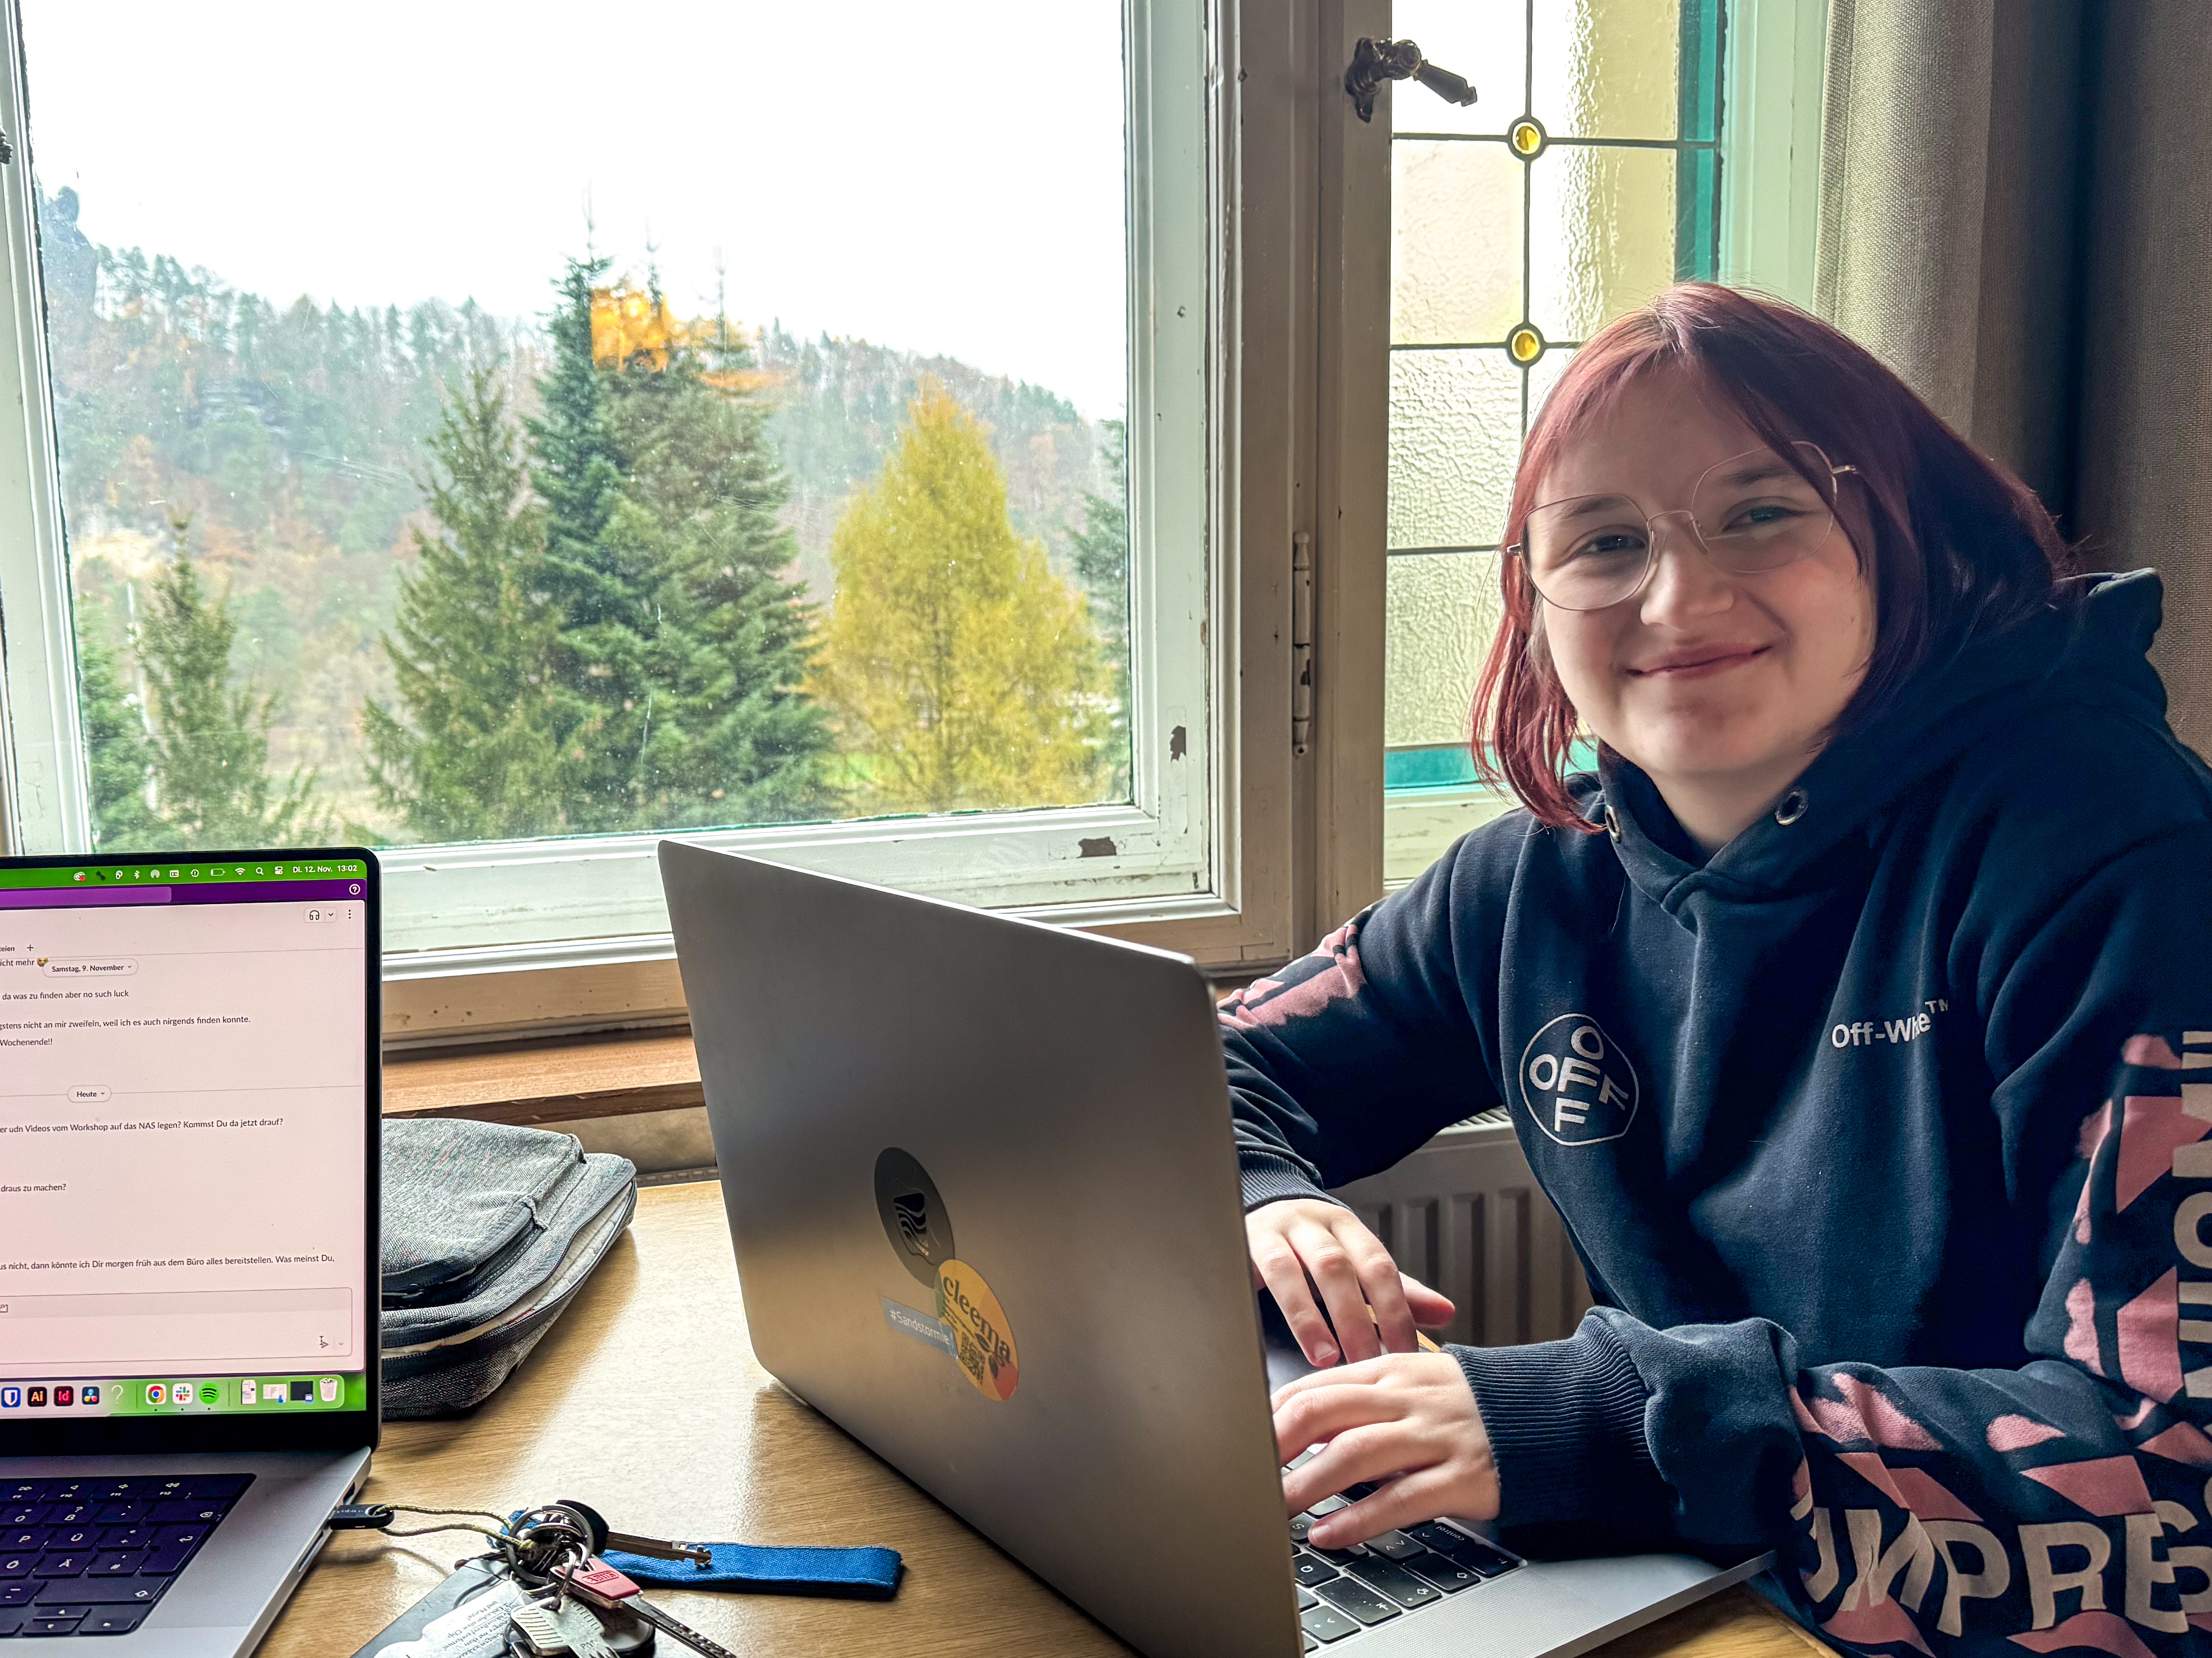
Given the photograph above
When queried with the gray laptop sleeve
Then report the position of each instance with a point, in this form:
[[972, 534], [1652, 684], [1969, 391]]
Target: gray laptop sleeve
[[488, 1232]]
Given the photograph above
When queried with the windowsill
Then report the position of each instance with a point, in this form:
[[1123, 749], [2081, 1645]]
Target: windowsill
[[576, 1077], [582, 1078], [635, 1094]]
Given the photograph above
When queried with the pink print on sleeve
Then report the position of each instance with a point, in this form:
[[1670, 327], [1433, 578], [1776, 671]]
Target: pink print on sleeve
[[2154, 1051], [1330, 974]]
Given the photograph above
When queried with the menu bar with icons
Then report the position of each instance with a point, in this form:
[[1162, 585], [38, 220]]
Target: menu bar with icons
[[229, 1396], [185, 872]]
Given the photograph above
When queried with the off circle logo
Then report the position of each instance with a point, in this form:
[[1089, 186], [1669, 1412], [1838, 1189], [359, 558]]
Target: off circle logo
[[1578, 1087], [912, 1214], [983, 1341]]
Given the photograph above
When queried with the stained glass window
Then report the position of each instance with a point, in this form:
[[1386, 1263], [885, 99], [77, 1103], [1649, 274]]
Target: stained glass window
[[1584, 179]]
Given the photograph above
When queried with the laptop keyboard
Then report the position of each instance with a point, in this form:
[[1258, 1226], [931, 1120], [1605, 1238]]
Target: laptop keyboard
[[1343, 1591], [89, 1556]]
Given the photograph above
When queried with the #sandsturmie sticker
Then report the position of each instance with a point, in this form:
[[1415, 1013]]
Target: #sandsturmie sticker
[[984, 1340]]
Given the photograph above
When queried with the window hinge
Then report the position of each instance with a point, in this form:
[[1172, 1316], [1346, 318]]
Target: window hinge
[[1302, 632]]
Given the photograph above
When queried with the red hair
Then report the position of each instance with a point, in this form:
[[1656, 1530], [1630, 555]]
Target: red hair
[[1955, 545]]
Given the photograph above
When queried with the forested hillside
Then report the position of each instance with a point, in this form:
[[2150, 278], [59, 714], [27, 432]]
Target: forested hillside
[[287, 449]]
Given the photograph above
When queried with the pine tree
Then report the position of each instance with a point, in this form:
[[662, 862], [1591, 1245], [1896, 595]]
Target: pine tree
[[602, 597], [965, 673], [681, 647], [472, 648], [1101, 550], [209, 738], [118, 755], [727, 735]]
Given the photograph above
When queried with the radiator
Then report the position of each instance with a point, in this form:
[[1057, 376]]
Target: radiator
[[1464, 1215]]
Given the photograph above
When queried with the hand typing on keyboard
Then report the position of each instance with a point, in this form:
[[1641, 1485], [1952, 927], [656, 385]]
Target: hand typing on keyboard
[[1300, 1243], [1406, 1423]]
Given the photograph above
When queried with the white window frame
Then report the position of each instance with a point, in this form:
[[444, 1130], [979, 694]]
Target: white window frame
[[1232, 852], [1773, 71]]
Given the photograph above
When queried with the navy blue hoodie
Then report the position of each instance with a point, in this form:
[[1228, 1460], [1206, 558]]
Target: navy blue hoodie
[[1875, 1133]]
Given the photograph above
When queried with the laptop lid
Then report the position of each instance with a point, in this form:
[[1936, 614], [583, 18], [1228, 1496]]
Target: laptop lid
[[982, 1187], [189, 1115]]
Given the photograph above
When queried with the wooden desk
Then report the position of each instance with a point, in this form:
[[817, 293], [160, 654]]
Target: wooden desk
[[645, 1402]]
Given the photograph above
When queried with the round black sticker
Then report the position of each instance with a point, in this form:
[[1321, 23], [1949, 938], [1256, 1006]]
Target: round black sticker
[[914, 1216]]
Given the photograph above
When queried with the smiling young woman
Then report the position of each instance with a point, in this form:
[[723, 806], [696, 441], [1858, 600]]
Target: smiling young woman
[[1955, 545], [1808, 1004]]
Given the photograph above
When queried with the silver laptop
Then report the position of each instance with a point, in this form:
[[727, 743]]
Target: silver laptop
[[188, 1238], [983, 1193]]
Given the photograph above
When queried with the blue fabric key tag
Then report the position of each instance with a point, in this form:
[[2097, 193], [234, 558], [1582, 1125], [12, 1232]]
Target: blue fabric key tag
[[864, 1574]]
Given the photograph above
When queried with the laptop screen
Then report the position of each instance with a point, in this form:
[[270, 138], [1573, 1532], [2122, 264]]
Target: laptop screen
[[184, 1225]]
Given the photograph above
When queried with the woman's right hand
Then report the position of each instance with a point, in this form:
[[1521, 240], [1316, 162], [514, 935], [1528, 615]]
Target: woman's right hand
[[1298, 1244]]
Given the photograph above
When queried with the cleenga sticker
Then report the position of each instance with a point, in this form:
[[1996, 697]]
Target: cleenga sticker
[[983, 1342]]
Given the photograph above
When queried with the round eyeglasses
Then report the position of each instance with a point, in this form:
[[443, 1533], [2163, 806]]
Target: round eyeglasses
[[1750, 514]]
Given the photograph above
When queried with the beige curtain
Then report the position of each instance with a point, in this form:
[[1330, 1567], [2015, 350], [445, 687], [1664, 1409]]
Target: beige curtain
[[2143, 486], [2017, 214]]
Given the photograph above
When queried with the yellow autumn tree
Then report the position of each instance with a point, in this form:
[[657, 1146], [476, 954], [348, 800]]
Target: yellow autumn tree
[[962, 672]]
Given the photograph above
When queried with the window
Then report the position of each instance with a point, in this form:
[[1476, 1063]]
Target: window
[[1631, 143], [503, 436]]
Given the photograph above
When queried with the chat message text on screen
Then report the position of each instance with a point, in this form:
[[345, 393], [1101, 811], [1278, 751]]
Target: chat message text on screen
[[182, 1090]]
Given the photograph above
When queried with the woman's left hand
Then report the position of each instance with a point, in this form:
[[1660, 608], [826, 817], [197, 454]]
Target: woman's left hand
[[1408, 1419]]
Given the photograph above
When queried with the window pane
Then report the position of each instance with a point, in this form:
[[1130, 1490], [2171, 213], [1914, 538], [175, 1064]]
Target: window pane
[[495, 446], [1608, 69], [1454, 431], [1544, 374], [1485, 40], [1443, 608], [1608, 224], [1601, 235], [1455, 242]]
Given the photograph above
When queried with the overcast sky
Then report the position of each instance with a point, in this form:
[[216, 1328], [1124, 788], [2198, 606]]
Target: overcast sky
[[937, 178]]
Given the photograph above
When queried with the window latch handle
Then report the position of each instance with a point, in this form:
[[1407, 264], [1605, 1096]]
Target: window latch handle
[[1374, 61]]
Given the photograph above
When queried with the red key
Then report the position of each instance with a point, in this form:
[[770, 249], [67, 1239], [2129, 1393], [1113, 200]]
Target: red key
[[601, 1579]]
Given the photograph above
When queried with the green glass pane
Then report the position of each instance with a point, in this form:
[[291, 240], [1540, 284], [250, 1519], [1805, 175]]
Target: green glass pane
[[1485, 40], [1700, 71], [1441, 611], [1454, 434], [1697, 211], [1608, 69], [1451, 767], [1455, 242], [1602, 234]]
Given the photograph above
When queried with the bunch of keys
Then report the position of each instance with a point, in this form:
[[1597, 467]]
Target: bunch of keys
[[544, 1594], [554, 1556]]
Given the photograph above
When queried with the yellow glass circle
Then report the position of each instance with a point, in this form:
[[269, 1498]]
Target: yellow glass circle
[[1525, 345], [1527, 137]]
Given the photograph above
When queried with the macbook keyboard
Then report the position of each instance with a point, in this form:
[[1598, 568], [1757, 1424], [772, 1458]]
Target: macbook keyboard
[[90, 1557], [1343, 1591]]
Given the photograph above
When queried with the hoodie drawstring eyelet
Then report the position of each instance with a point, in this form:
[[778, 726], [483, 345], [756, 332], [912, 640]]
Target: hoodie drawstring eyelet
[[1792, 807], [1611, 823]]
